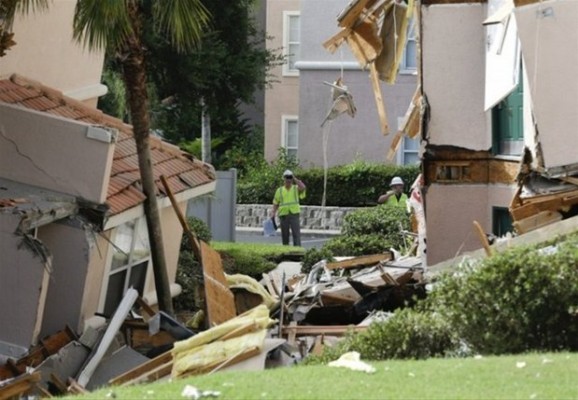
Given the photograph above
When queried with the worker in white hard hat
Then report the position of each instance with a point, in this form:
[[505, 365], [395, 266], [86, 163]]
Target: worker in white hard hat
[[395, 196], [286, 205]]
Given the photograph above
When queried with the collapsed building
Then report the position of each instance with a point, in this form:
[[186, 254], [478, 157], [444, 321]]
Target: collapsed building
[[494, 109]]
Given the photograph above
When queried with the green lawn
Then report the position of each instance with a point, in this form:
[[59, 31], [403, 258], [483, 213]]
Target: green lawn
[[542, 376]]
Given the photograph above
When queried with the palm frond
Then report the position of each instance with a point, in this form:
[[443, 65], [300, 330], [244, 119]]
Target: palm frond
[[183, 21], [99, 24], [9, 9]]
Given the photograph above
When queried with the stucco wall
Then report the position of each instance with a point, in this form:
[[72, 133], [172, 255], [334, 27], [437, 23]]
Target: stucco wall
[[53, 153], [283, 97], [453, 74], [100, 258], [45, 52], [70, 250], [349, 138], [24, 286], [449, 232]]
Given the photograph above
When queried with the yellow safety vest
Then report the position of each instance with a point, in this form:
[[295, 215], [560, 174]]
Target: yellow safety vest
[[288, 200], [402, 202]]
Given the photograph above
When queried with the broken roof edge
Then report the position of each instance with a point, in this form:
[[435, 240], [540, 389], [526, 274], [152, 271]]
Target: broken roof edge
[[137, 211], [555, 230], [60, 98]]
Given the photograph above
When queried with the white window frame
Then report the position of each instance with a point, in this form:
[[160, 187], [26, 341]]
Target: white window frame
[[411, 37], [285, 120], [403, 151], [286, 28], [140, 223]]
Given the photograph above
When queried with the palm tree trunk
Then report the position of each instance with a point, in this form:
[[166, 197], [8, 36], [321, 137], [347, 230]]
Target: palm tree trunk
[[135, 80]]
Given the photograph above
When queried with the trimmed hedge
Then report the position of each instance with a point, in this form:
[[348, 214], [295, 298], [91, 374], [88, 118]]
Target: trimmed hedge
[[354, 185]]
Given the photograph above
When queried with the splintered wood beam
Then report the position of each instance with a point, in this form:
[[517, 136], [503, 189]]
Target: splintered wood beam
[[336, 40], [329, 330], [358, 262], [192, 237], [384, 125], [349, 16], [395, 143], [537, 221], [142, 369], [483, 238], [19, 386]]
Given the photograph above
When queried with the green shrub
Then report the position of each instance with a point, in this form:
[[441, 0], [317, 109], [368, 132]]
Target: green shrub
[[409, 333], [516, 301], [200, 229], [190, 277], [354, 185], [357, 245], [240, 261], [370, 230]]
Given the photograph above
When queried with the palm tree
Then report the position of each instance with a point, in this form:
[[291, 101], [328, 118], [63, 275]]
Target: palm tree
[[119, 26], [8, 11]]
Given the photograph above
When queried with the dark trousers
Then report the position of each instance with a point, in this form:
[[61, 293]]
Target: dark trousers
[[290, 221]]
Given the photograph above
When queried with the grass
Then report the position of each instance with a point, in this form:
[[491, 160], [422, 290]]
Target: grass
[[262, 249], [543, 376]]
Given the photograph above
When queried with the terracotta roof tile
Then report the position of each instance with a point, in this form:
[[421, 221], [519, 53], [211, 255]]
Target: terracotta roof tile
[[124, 190]]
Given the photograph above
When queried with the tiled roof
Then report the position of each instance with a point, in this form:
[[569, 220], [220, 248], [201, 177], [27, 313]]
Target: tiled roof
[[181, 170]]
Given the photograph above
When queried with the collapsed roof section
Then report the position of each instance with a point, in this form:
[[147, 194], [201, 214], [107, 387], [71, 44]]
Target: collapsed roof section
[[124, 188]]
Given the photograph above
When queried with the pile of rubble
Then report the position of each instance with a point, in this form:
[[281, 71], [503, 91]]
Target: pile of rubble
[[253, 325]]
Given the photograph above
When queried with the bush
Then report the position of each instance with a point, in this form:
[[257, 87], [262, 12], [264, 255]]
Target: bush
[[357, 245], [200, 229], [190, 277], [370, 231], [354, 185], [520, 300], [409, 333], [239, 261]]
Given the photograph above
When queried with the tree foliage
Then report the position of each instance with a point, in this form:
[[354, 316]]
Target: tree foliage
[[226, 70]]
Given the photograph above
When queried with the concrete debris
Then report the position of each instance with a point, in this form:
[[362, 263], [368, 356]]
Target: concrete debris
[[290, 319]]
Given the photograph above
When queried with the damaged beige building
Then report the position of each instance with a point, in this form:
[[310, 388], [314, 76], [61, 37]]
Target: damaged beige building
[[494, 110], [496, 138]]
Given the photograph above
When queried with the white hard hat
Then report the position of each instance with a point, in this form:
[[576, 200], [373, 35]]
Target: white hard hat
[[396, 181], [287, 173]]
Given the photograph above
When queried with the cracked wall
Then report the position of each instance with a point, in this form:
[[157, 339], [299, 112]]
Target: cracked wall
[[53, 153], [23, 280]]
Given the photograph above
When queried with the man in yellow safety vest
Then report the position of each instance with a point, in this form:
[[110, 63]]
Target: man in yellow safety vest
[[396, 196], [286, 205]]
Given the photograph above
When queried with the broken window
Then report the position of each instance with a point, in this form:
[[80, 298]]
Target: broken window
[[129, 265], [508, 123], [290, 139], [501, 221], [291, 41]]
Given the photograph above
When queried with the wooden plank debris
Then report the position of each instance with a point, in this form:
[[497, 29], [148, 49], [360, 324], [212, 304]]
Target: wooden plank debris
[[383, 124], [358, 262], [483, 238], [351, 13], [293, 330], [219, 298], [19, 386], [142, 369]]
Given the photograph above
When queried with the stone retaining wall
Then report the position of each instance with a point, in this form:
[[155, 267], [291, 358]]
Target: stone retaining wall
[[312, 217]]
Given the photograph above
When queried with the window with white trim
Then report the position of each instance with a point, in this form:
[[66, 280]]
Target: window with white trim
[[410, 151], [408, 62], [291, 41], [290, 135], [129, 264]]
